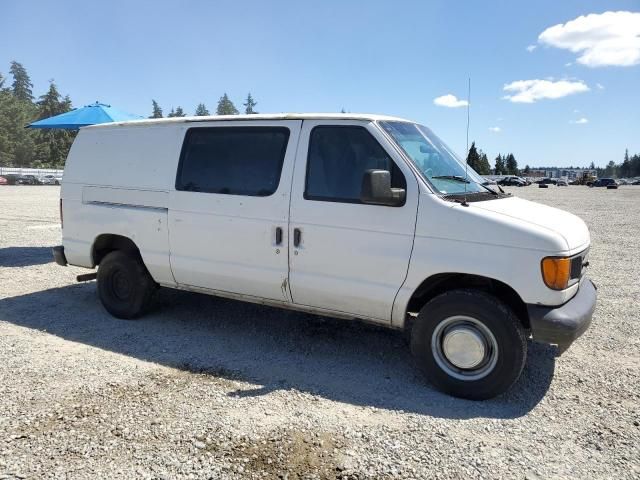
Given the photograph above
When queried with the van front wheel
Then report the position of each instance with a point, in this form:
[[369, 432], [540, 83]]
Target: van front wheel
[[469, 344], [125, 287]]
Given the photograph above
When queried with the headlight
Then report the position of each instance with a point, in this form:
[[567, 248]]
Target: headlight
[[556, 272]]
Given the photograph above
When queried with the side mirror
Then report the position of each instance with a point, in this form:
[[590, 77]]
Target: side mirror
[[376, 189]]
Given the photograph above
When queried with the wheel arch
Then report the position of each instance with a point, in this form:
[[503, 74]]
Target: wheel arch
[[443, 282], [108, 242]]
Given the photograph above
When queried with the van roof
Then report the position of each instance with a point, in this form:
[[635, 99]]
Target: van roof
[[259, 116]]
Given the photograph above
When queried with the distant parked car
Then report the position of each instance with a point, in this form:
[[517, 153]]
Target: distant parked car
[[28, 180], [49, 180], [562, 183], [11, 178], [610, 183], [637, 182], [4, 181], [512, 182], [547, 181]]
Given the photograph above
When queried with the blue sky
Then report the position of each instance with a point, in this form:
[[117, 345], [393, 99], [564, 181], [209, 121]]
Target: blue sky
[[392, 57]]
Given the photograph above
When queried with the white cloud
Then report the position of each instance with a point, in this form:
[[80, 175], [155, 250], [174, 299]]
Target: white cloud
[[495, 129], [568, 64], [609, 38], [450, 101], [580, 121], [531, 48], [600, 86], [529, 91]]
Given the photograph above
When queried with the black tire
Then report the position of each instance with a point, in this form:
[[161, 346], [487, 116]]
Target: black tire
[[125, 287], [502, 366]]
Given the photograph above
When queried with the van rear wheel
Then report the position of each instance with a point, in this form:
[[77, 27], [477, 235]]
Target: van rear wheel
[[469, 344], [125, 287]]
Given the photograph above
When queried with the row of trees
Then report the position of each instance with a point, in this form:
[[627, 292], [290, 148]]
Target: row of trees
[[225, 107], [508, 165], [630, 167], [504, 164], [18, 107]]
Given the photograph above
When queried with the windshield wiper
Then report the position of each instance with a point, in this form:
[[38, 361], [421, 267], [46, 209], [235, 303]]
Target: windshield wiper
[[457, 178], [488, 186], [461, 179]]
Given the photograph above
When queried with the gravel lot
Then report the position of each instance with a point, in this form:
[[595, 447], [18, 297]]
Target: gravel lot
[[211, 388]]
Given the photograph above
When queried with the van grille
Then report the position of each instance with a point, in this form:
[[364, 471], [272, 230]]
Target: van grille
[[576, 267], [579, 264]]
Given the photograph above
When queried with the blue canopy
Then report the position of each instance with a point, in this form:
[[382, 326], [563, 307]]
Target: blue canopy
[[87, 115]]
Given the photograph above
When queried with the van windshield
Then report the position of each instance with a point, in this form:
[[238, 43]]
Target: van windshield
[[442, 168]]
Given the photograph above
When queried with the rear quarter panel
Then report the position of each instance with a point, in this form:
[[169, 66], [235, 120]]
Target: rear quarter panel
[[117, 181]]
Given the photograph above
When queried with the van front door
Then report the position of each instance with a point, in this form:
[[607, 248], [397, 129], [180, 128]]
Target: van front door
[[345, 255], [229, 211]]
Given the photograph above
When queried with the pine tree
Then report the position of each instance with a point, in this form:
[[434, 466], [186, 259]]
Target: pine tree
[[201, 110], [610, 170], [66, 103], [21, 86], [512, 165], [16, 142], [50, 103], [157, 111], [625, 168], [527, 170], [179, 112], [52, 145], [635, 166], [1, 81], [172, 113], [483, 165], [226, 106], [249, 104], [473, 158], [500, 166]]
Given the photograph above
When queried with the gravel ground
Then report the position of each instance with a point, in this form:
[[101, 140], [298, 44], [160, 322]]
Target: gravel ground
[[211, 388]]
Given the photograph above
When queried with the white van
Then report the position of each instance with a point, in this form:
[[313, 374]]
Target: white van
[[352, 216]]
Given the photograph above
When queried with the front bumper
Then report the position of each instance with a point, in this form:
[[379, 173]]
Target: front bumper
[[564, 324], [59, 256]]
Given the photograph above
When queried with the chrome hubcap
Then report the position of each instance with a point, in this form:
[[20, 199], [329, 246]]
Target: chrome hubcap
[[464, 348]]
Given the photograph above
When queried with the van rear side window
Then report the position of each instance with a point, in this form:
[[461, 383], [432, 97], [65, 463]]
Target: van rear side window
[[232, 160]]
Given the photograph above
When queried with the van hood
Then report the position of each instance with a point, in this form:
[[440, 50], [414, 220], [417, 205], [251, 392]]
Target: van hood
[[570, 227]]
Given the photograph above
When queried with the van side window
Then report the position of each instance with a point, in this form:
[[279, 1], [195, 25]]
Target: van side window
[[337, 160], [232, 160]]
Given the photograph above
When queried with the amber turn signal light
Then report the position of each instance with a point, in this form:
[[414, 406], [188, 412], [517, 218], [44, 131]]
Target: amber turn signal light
[[556, 272]]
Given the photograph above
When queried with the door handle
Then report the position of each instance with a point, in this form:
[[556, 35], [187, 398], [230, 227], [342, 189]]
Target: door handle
[[279, 236], [297, 235]]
